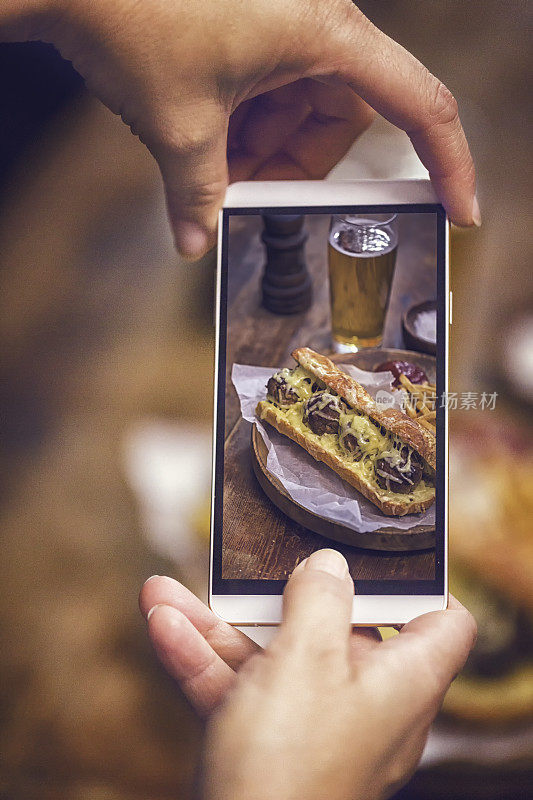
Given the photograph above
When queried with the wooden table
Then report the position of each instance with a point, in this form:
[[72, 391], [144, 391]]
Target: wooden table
[[259, 541]]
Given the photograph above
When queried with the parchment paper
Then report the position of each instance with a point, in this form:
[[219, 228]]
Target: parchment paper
[[310, 483]]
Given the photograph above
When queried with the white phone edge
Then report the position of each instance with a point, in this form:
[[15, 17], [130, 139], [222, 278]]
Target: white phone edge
[[367, 610]]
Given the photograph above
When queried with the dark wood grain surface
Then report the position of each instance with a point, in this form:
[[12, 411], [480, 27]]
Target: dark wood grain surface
[[259, 541]]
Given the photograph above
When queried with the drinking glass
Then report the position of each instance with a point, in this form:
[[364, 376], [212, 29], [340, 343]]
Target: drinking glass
[[361, 258]]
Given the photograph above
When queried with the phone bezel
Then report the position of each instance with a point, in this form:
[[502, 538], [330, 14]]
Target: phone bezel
[[321, 196]]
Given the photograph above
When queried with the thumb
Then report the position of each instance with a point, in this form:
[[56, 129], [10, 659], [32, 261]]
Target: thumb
[[317, 606], [193, 163]]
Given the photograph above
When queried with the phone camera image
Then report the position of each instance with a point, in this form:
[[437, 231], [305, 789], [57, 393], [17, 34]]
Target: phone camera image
[[331, 427]]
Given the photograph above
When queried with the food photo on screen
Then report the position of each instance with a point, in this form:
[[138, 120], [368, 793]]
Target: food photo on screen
[[330, 422]]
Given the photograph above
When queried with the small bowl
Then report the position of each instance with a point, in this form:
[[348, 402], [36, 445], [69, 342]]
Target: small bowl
[[412, 341]]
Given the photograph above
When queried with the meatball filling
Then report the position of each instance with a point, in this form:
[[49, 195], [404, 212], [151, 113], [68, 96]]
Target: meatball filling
[[280, 391], [350, 442], [290, 386], [400, 476], [322, 413], [367, 447]]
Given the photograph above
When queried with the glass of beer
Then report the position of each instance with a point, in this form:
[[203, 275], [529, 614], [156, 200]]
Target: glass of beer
[[361, 256]]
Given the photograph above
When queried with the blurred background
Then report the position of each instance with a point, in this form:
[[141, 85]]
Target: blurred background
[[105, 448]]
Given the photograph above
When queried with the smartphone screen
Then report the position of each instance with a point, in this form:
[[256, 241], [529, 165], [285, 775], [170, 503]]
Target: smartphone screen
[[343, 445]]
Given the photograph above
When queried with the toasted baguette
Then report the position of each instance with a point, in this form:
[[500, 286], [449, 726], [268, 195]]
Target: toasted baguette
[[408, 430], [311, 442]]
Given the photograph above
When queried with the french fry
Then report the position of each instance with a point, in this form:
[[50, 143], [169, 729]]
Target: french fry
[[422, 407], [426, 424], [422, 398], [410, 411]]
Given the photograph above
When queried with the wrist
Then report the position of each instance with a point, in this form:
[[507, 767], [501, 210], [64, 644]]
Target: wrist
[[25, 20]]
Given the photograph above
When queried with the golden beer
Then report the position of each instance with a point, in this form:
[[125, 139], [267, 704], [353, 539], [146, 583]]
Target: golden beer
[[361, 257]]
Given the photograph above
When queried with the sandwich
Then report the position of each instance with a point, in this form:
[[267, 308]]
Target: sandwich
[[384, 454]]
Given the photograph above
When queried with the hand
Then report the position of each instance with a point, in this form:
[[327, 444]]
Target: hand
[[324, 711], [225, 89]]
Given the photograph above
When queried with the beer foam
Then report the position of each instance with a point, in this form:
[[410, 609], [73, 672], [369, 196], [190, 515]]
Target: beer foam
[[369, 241]]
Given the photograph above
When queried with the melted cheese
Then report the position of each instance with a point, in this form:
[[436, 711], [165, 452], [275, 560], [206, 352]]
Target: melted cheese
[[300, 380], [373, 443]]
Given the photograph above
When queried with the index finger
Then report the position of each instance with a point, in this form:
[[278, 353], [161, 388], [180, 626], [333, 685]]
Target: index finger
[[233, 646], [401, 89], [433, 648]]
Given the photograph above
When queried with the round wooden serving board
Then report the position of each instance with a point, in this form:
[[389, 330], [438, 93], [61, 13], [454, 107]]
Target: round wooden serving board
[[421, 537]]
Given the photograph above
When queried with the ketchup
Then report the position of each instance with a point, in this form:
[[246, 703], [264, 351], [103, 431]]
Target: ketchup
[[411, 371]]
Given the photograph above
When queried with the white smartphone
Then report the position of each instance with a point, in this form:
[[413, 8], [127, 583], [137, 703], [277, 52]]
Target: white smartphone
[[355, 272]]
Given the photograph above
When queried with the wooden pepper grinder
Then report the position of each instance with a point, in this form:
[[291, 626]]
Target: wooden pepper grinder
[[286, 284]]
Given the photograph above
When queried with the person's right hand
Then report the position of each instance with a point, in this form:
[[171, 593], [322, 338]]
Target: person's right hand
[[262, 89], [324, 711]]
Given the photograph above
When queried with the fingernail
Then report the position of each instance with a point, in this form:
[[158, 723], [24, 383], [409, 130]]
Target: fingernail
[[191, 240], [476, 213], [151, 611], [300, 566], [151, 578], [330, 561]]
